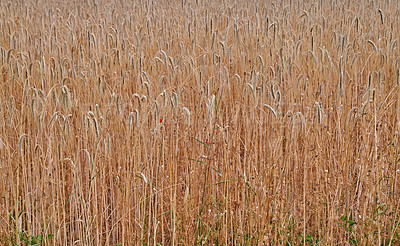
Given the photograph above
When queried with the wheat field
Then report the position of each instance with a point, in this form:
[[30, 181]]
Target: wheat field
[[199, 122]]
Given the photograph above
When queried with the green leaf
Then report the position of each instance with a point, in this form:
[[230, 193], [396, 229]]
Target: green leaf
[[208, 146], [221, 182], [197, 161]]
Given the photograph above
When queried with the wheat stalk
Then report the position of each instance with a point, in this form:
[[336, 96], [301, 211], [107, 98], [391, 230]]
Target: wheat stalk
[[187, 114]]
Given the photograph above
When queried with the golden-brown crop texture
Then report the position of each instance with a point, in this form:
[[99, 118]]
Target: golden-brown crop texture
[[199, 122]]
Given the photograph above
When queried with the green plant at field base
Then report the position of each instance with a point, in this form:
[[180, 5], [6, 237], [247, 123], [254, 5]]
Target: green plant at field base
[[310, 240], [348, 225], [32, 240]]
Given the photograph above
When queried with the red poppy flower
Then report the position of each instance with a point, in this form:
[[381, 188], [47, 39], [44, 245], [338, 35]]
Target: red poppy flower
[[161, 120]]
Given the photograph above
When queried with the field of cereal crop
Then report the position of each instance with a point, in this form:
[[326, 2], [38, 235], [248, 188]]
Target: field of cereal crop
[[199, 122]]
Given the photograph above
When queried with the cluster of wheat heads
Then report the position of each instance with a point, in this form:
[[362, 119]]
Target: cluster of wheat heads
[[190, 122]]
